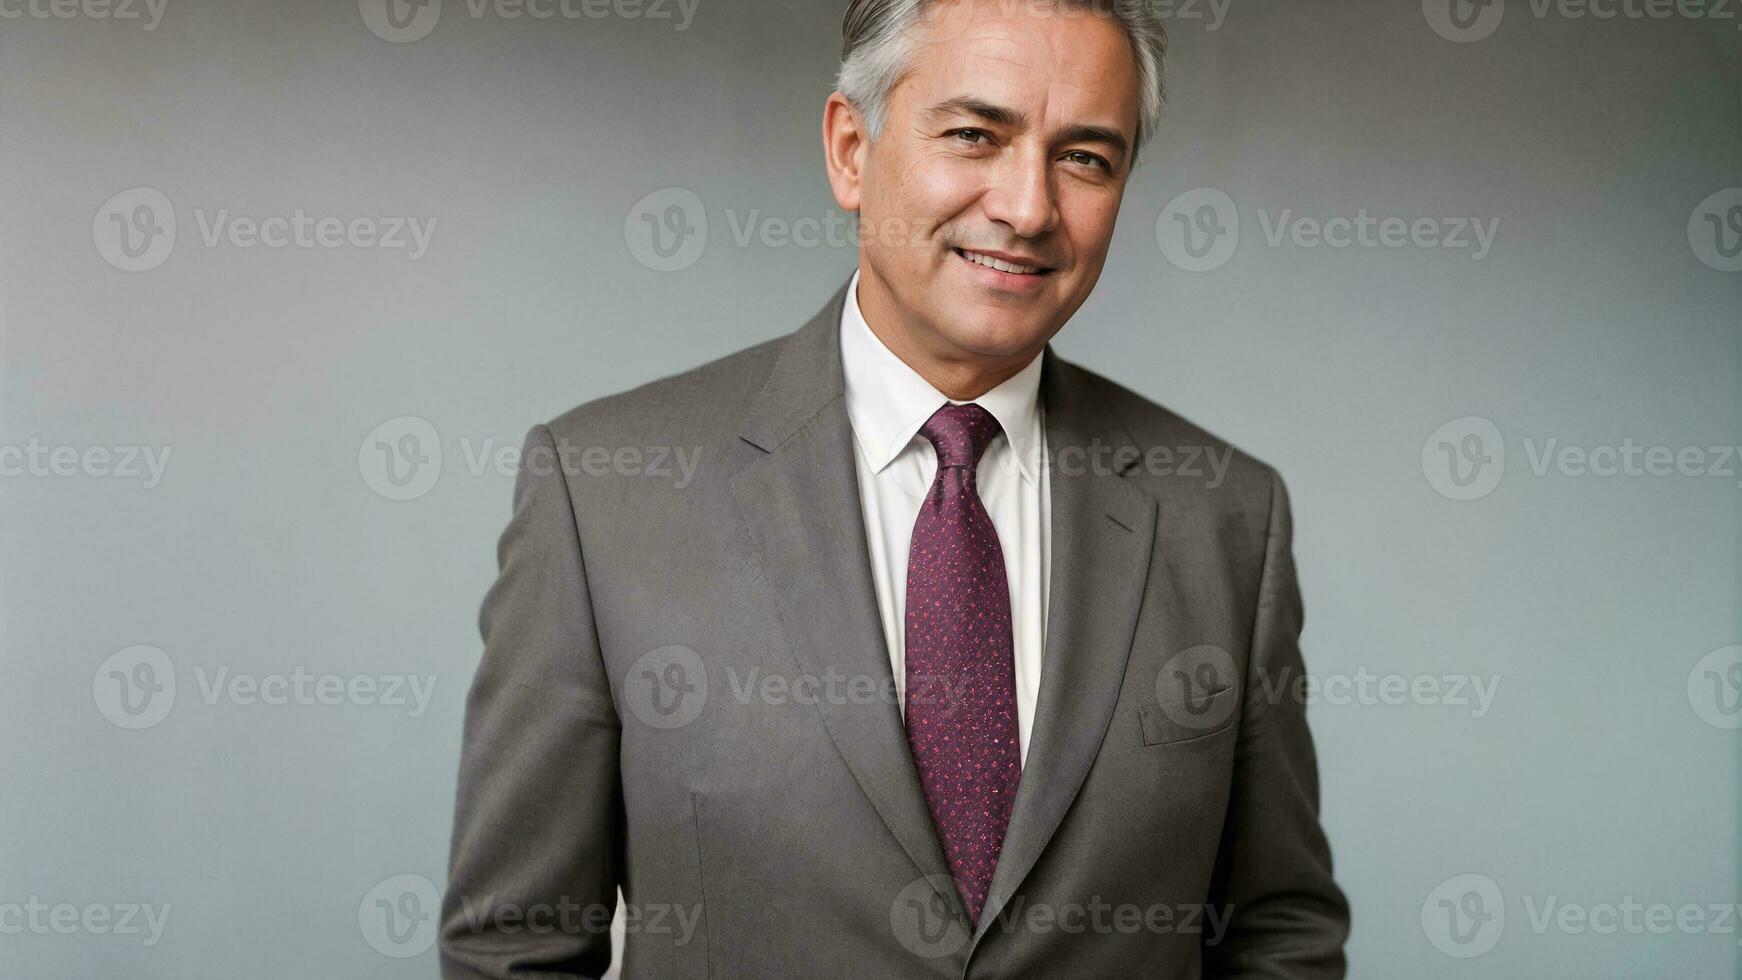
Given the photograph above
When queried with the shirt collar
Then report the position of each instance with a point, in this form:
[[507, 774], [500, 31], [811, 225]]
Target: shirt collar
[[888, 401]]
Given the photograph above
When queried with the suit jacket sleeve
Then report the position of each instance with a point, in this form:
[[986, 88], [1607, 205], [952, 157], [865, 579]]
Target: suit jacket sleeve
[[538, 819], [1286, 916]]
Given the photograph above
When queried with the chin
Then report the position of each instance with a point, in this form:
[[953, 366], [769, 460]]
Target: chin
[[993, 335]]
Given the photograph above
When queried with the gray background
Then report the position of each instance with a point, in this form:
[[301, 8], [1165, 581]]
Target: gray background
[[271, 545]]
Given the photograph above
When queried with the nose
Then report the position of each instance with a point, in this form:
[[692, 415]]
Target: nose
[[1021, 194]]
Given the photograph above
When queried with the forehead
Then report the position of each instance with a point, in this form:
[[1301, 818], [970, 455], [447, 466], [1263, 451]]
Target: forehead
[[1074, 62]]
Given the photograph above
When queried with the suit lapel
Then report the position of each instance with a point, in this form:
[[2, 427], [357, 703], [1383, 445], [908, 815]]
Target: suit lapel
[[800, 504], [1103, 531]]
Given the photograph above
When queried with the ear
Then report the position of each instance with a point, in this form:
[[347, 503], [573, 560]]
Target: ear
[[845, 144]]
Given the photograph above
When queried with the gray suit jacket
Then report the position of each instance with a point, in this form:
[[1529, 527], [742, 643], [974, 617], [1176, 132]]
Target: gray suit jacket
[[685, 694]]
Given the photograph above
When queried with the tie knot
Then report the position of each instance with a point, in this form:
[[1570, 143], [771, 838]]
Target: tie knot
[[960, 434]]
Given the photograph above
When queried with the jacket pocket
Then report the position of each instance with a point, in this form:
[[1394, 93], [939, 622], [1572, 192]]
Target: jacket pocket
[[1187, 719]]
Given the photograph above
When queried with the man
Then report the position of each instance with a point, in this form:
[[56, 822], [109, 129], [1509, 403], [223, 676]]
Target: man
[[943, 661]]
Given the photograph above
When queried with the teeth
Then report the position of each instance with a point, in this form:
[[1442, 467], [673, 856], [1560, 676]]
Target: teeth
[[999, 264]]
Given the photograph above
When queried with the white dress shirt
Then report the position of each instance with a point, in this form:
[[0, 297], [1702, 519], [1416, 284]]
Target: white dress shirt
[[887, 402]]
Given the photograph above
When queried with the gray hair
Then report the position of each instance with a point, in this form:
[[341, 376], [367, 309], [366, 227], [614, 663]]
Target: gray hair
[[878, 39]]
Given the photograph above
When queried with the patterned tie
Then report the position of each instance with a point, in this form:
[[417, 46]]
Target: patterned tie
[[960, 666]]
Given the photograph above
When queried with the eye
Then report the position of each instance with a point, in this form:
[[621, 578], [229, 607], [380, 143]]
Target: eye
[[966, 133], [1089, 159]]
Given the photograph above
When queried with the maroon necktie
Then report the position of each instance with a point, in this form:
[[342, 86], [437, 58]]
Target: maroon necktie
[[960, 666]]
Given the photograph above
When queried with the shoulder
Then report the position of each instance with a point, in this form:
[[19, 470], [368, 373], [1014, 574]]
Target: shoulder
[[697, 404], [1180, 461]]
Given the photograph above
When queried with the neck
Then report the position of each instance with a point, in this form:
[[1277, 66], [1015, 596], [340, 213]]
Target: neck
[[961, 375]]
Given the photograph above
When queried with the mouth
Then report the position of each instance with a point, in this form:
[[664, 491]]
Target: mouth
[[1004, 265]]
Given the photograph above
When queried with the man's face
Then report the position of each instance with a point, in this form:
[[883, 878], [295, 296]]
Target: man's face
[[1009, 140]]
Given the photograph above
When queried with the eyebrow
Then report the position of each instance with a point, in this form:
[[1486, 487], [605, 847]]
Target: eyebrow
[[1006, 116]]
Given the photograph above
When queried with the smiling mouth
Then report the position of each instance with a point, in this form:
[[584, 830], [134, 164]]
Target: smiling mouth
[[1000, 265]]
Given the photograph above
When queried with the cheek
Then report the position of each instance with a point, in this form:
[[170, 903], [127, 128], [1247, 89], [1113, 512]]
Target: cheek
[[933, 191], [1089, 222]]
